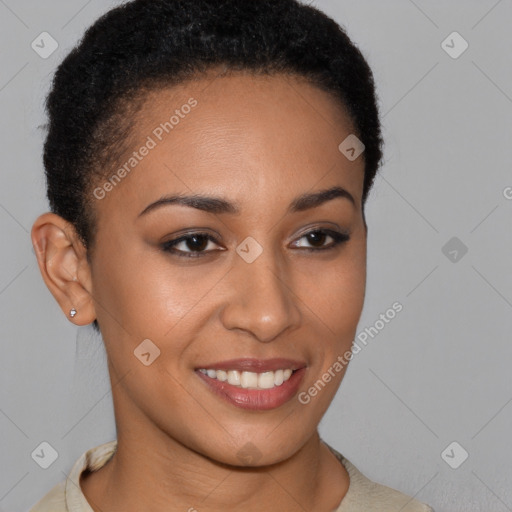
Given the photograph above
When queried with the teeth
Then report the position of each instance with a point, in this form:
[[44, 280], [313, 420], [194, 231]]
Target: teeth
[[252, 380], [279, 377], [221, 375], [249, 380], [266, 380], [234, 377]]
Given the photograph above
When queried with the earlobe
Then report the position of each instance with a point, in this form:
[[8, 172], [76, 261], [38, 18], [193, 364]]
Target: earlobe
[[61, 258]]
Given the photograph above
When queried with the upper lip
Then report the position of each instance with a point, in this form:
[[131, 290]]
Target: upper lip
[[255, 365]]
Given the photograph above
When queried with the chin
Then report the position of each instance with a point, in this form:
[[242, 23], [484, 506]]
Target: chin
[[256, 450]]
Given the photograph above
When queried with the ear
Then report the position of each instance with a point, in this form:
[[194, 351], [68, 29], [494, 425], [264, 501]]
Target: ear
[[62, 260]]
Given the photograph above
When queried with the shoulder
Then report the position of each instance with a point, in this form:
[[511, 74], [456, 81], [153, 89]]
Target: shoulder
[[365, 494], [53, 501], [67, 495]]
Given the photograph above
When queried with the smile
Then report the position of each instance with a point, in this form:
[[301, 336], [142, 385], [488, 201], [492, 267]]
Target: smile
[[250, 380], [254, 383]]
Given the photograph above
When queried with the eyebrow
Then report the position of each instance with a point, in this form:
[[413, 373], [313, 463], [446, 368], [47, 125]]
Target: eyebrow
[[219, 205]]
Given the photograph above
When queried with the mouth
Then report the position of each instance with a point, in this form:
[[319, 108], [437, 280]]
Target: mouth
[[252, 383], [250, 380]]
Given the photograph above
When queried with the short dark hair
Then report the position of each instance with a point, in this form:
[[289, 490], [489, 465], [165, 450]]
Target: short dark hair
[[144, 45]]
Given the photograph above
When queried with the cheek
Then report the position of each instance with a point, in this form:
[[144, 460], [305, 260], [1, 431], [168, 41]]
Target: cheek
[[335, 293], [142, 293], [337, 304], [336, 300]]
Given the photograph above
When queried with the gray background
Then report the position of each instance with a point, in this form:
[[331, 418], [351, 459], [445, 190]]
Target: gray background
[[438, 372]]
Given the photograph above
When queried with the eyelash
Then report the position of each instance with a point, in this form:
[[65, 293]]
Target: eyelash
[[168, 246]]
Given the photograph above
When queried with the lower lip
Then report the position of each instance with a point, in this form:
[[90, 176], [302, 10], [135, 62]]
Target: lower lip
[[256, 399]]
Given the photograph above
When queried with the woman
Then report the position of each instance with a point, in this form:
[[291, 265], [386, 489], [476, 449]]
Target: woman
[[208, 164]]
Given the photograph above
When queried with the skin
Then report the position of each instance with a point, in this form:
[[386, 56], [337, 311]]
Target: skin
[[260, 142]]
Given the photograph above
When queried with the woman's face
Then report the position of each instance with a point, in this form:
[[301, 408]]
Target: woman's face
[[244, 294]]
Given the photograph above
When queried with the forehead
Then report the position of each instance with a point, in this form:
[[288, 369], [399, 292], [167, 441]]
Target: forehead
[[240, 132]]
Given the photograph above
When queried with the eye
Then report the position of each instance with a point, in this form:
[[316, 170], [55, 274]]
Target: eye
[[196, 242], [318, 236], [194, 245]]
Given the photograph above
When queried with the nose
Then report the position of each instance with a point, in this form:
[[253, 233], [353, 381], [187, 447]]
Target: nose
[[262, 303]]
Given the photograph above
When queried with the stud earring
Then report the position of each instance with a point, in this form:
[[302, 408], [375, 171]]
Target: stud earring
[[72, 313]]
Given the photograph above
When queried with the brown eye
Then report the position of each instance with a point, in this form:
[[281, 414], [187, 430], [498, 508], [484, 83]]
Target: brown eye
[[196, 243], [317, 239]]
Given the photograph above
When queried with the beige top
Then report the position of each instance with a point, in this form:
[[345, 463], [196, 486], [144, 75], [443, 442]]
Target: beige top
[[363, 495]]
